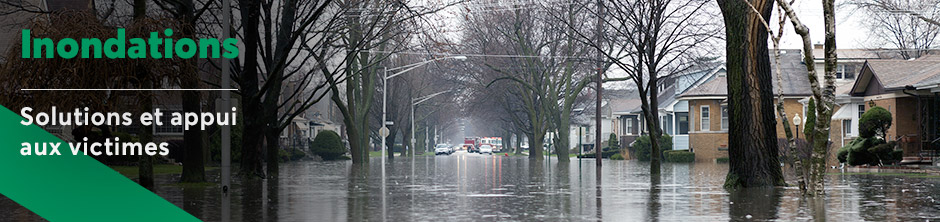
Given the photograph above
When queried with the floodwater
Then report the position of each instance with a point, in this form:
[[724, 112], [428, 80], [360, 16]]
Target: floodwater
[[473, 187]]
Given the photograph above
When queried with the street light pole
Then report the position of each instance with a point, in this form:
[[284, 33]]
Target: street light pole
[[385, 78], [226, 134], [384, 107], [412, 129]]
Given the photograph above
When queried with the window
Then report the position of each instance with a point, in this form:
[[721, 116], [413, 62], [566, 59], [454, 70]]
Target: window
[[705, 118], [629, 124], [167, 128], [840, 71], [861, 110], [724, 117], [668, 127], [847, 126], [849, 71], [683, 120]]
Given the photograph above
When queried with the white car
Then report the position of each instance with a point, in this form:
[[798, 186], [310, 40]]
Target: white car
[[442, 149], [486, 149]]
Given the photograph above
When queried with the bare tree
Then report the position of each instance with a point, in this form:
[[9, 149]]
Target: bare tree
[[911, 26], [650, 39]]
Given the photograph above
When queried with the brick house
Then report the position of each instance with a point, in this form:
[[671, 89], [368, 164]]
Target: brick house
[[708, 114], [910, 90]]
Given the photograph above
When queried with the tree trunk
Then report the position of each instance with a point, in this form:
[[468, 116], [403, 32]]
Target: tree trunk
[[145, 162], [752, 146], [652, 123], [272, 146], [518, 142], [562, 144], [248, 83], [824, 106], [535, 145], [390, 141], [193, 165]]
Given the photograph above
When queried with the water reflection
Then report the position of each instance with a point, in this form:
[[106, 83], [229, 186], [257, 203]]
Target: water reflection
[[474, 187], [653, 204], [754, 203]]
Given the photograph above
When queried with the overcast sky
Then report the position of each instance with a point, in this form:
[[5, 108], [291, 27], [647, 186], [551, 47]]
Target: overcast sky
[[850, 33]]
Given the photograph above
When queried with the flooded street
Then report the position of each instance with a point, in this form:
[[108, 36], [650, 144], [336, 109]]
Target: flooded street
[[473, 187]]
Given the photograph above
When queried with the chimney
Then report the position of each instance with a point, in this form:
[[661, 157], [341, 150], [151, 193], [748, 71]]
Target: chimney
[[818, 46]]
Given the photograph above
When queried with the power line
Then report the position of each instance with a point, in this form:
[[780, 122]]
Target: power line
[[479, 55]]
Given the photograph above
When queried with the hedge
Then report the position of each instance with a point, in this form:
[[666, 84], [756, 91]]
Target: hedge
[[722, 160], [616, 157], [678, 156], [642, 146]]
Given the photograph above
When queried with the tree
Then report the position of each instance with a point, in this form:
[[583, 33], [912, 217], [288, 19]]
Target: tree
[[648, 40], [368, 30], [911, 26], [824, 95], [752, 147], [186, 13], [285, 43]]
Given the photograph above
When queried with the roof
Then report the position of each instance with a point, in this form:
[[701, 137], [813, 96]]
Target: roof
[[795, 80], [717, 86], [667, 96], [819, 53], [896, 74]]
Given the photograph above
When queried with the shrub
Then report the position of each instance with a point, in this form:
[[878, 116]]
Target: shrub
[[283, 155], [857, 152], [642, 146], [874, 122], [297, 154], [292, 154], [616, 157], [612, 143], [843, 154], [882, 153], [722, 160], [679, 156], [328, 145]]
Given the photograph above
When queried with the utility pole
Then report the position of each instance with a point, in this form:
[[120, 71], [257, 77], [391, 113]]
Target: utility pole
[[600, 83]]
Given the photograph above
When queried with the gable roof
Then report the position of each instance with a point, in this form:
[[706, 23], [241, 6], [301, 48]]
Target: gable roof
[[795, 80], [717, 86], [898, 74]]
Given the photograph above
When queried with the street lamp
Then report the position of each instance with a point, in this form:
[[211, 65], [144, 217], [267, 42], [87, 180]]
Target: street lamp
[[796, 122], [385, 77]]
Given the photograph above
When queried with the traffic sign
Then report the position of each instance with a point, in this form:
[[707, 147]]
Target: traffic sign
[[383, 132]]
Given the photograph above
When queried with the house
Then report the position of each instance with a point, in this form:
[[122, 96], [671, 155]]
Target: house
[[622, 112], [582, 126], [909, 90], [674, 113], [708, 113]]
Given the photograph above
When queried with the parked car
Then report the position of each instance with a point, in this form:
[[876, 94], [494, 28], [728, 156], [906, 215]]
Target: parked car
[[486, 149], [442, 149]]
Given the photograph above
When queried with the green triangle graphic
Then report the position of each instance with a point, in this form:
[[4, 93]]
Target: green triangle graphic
[[72, 188]]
